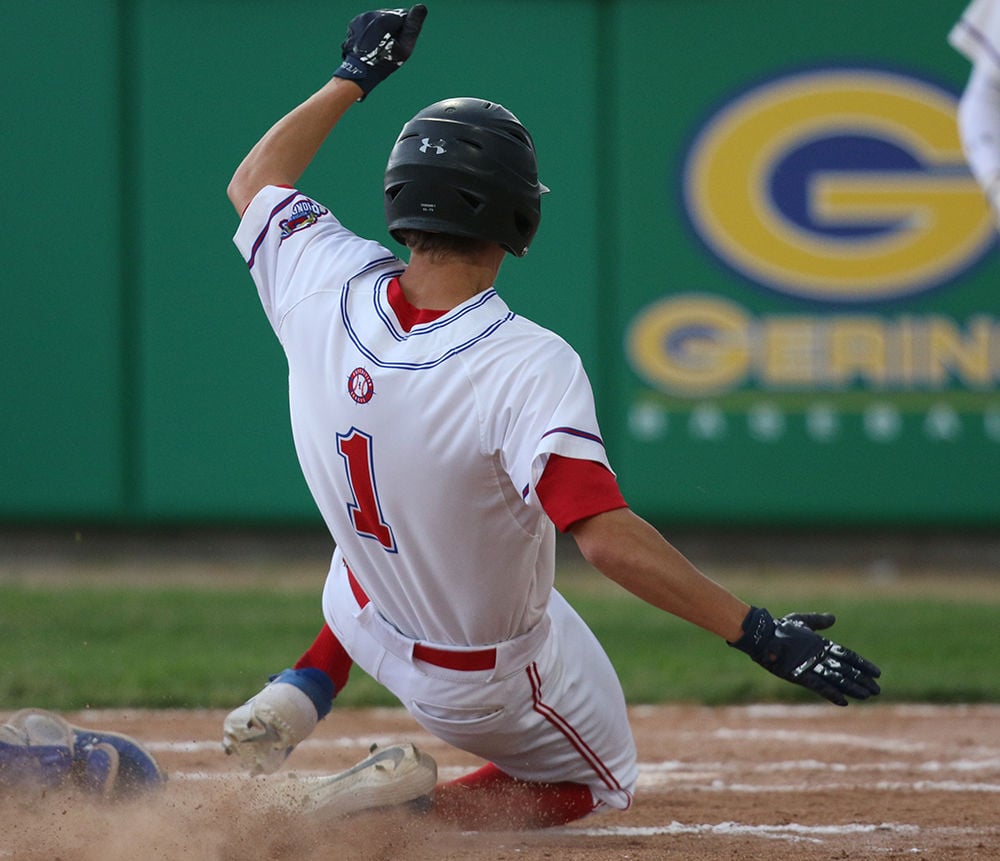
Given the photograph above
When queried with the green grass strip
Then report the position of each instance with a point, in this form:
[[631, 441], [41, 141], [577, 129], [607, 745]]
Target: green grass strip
[[70, 647]]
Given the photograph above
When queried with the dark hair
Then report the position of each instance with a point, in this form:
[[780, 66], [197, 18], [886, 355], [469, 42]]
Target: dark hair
[[443, 244]]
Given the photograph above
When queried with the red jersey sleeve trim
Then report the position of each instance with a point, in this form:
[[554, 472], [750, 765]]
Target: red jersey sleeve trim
[[571, 489]]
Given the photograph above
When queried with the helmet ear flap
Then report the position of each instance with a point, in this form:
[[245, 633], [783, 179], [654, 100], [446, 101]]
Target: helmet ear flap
[[526, 226]]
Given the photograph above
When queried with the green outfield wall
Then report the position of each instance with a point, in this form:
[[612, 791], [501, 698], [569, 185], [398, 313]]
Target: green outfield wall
[[761, 237]]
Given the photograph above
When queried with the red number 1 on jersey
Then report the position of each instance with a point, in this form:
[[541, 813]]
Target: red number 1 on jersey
[[355, 448]]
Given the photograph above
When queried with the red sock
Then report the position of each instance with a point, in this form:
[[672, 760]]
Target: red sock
[[490, 799], [328, 655]]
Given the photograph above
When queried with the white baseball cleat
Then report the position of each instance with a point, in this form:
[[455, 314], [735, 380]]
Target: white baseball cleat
[[390, 776]]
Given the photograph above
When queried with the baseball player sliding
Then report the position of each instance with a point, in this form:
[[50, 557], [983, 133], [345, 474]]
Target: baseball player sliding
[[445, 439], [977, 36]]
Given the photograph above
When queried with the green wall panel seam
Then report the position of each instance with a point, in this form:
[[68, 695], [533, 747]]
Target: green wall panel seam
[[607, 142], [129, 235]]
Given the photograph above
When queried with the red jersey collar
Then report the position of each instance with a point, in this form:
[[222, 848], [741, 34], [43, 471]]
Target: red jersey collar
[[407, 314]]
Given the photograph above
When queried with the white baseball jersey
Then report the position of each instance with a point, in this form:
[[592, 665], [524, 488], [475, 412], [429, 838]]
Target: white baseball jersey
[[421, 447], [977, 33]]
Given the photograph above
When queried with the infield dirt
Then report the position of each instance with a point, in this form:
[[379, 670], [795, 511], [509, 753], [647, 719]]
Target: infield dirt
[[716, 784], [748, 783]]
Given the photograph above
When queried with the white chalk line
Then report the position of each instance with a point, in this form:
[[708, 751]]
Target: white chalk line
[[648, 783], [827, 740], [927, 776], [821, 711], [819, 738], [792, 832]]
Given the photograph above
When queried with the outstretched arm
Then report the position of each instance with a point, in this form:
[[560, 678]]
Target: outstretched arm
[[628, 550], [377, 44]]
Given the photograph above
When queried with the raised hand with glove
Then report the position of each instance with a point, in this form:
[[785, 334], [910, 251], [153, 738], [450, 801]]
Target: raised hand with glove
[[378, 43], [790, 648]]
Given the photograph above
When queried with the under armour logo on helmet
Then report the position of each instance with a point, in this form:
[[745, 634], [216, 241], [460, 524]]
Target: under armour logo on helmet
[[426, 145]]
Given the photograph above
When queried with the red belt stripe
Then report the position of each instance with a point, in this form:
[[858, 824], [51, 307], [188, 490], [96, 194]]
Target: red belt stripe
[[468, 660]]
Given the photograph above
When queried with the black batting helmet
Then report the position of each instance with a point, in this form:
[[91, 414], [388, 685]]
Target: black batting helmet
[[465, 167]]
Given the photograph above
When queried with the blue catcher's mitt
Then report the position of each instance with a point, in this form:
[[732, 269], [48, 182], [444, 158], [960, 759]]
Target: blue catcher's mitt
[[41, 749]]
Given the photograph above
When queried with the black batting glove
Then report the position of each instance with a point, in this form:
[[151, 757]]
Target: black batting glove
[[378, 43], [790, 648]]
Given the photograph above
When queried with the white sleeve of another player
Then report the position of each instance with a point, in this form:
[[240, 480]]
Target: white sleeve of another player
[[977, 36], [979, 124], [549, 409], [283, 234], [977, 33]]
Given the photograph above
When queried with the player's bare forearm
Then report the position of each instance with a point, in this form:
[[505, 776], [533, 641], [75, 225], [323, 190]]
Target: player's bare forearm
[[628, 550], [281, 156]]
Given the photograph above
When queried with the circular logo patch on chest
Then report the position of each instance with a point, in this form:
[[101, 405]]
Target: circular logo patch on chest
[[360, 386]]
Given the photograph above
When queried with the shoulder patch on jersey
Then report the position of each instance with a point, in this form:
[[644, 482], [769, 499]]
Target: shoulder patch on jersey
[[360, 386], [305, 213]]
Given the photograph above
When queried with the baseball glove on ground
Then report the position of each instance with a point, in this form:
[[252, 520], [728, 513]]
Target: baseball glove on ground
[[42, 750]]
